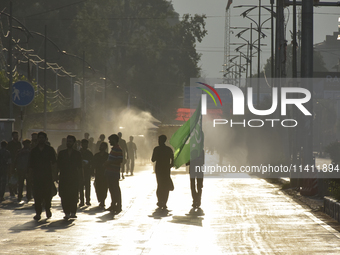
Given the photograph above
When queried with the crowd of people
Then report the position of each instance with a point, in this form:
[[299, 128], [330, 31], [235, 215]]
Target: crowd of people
[[73, 166]]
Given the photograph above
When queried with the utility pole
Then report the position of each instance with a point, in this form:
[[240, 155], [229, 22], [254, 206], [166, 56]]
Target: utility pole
[[251, 54], [272, 39], [307, 72], [280, 42], [10, 36], [45, 84], [105, 92], [83, 117], [259, 56], [296, 145]]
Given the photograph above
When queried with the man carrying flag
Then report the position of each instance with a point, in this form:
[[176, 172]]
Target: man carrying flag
[[188, 142]]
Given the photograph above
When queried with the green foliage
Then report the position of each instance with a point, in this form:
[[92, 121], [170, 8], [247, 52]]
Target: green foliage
[[146, 48], [334, 188], [149, 50]]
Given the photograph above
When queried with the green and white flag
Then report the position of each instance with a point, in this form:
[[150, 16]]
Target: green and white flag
[[188, 139]]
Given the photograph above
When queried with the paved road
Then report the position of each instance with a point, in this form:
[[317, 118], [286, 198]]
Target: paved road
[[242, 216]]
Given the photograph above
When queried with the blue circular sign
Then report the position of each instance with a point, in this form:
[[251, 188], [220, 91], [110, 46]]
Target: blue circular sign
[[22, 93]]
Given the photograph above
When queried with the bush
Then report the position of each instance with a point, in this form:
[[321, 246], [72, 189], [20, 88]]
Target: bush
[[334, 188]]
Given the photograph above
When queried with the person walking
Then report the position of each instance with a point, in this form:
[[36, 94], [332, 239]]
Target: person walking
[[13, 146], [21, 164], [100, 182], [5, 165], [122, 144], [196, 178], [87, 158], [164, 158], [101, 139], [132, 149], [42, 157], [112, 173], [70, 168]]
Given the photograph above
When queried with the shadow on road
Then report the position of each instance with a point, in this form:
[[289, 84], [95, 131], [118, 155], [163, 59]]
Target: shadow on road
[[159, 213], [106, 217], [91, 210], [194, 217], [42, 224]]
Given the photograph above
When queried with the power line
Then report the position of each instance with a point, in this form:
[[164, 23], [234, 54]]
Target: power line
[[55, 9]]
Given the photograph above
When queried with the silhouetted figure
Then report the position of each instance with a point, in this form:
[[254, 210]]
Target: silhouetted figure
[[86, 136], [42, 157], [196, 177], [70, 168], [90, 141], [5, 164], [62, 146], [91, 144], [100, 182], [34, 139], [13, 146], [21, 164], [77, 145], [132, 149], [164, 158], [112, 173], [87, 158], [101, 139], [122, 144]]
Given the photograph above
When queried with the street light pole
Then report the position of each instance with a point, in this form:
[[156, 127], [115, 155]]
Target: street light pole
[[84, 96], [272, 37], [45, 86], [258, 56], [307, 72], [10, 62]]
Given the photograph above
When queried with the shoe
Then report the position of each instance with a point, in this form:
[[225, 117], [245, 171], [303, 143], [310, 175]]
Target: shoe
[[37, 217], [73, 216], [81, 204], [66, 217], [88, 203], [102, 205], [48, 214], [109, 209], [117, 211], [131, 174]]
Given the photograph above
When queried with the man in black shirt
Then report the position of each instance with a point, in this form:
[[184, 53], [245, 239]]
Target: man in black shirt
[[122, 145], [42, 157], [5, 163], [164, 158], [196, 177], [87, 158], [70, 167], [100, 182], [13, 146]]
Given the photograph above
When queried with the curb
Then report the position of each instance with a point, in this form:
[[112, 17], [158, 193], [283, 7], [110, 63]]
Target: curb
[[332, 208]]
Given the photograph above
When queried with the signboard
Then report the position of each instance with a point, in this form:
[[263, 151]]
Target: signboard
[[23, 93]]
